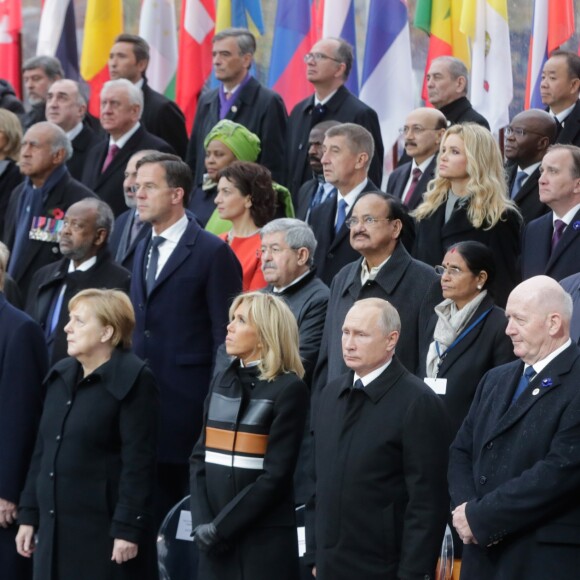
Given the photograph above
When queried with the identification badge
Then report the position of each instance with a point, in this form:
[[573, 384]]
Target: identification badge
[[439, 386]]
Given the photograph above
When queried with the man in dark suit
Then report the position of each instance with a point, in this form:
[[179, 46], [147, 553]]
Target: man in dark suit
[[66, 107], [572, 285], [240, 98], [129, 230], [38, 73], [86, 263], [422, 131], [23, 365], [380, 438], [183, 281], [316, 190], [514, 467], [386, 270], [348, 150], [551, 243], [327, 67], [447, 86], [128, 59], [37, 206], [527, 139], [560, 88], [121, 107]]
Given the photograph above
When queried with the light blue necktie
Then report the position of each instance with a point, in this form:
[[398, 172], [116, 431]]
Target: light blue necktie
[[520, 177], [340, 216]]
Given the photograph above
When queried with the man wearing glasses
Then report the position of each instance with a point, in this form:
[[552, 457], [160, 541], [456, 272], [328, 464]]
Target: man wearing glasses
[[526, 141], [422, 132], [327, 68], [385, 270]]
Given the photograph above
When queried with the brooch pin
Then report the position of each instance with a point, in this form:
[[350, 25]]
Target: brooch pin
[[547, 382], [58, 214], [576, 226]]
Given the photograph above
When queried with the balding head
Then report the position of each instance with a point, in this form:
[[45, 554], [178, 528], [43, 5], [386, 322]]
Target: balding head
[[539, 312], [539, 132], [423, 130]]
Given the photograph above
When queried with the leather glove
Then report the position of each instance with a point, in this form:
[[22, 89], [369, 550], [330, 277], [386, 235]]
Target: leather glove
[[206, 537]]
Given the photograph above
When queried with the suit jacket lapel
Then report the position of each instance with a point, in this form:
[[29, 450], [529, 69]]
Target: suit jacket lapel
[[427, 176], [571, 232], [528, 186], [125, 236]]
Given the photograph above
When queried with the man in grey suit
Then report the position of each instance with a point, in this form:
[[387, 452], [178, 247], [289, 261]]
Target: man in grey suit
[[385, 270]]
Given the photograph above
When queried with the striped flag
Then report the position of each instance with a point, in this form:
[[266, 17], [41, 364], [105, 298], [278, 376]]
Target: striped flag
[[552, 26], [10, 27], [195, 47], [239, 13], [486, 23], [294, 35], [441, 20], [338, 21], [387, 75], [57, 35], [103, 23], [157, 26]]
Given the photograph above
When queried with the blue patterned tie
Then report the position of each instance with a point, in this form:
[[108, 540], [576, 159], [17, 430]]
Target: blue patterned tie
[[518, 183], [524, 382], [340, 216]]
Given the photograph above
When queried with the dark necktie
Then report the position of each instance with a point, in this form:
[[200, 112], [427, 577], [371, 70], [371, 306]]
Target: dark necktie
[[113, 150], [520, 177], [318, 114], [358, 384], [524, 382], [417, 173], [153, 261], [340, 215], [559, 227]]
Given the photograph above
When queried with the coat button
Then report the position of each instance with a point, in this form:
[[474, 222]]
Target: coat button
[[139, 518], [69, 403], [54, 250], [140, 306], [58, 437], [483, 480], [51, 475], [489, 445], [147, 334], [51, 513]]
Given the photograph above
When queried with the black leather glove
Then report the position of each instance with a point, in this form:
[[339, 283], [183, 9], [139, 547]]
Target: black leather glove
[[206, 537]]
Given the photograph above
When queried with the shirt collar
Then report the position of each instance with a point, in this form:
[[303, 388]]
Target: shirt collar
[[295, 281], [568, 216], [530, 168], [562, 115], [423, 165], [351, 196], [367, 274], [86, 265], [122, 141], [370, 377], [542, 364], [317, 101], [174, 232], [75, 131]]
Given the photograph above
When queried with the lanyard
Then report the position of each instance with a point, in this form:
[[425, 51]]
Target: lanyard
[[460, 337]]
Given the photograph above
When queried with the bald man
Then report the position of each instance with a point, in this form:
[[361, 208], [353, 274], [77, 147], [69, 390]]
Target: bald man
[[527, 139], [514, 469], [422, 131]]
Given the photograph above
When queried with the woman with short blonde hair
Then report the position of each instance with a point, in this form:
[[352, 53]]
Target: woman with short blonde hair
[[468, 200], [242, 467]]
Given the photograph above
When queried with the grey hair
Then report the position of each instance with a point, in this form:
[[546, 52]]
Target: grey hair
[[359, 139], [49, 64], [389, 319], [58, 139], [4, 255], [245, 39], [134, 93], [298, 235], [456, 68], [81, 98]]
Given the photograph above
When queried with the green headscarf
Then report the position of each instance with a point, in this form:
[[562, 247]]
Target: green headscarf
[[244, 144]]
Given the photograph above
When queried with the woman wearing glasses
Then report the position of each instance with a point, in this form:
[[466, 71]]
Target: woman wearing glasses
[[468, 200], [465, 337]]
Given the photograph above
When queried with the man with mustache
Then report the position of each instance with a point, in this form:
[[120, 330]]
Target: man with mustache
[[422, 131]]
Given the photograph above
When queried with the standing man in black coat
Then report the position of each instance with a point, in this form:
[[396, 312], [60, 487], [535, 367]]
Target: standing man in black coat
[[327, 67], [86, 263], [560, 89], [422, 131], [380, 438], [387, 271], [37, 206], [240, 98], [121, 109], [527, 139], [447, 86], [23, 365], [347, 153], [66, 107], [514, 467], [551, 243], [128, 59]]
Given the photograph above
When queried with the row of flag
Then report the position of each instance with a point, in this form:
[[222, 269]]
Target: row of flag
[[475, 31]]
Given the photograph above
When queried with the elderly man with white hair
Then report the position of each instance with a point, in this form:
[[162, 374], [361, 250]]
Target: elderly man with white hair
[[514, 467], [121, 109]]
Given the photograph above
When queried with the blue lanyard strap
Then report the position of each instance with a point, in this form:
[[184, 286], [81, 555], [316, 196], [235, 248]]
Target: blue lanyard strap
[[461, 336]]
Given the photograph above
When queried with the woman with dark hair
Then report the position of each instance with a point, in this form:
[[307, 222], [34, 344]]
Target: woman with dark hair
[[246, 197], [242, 467], [465, 337]]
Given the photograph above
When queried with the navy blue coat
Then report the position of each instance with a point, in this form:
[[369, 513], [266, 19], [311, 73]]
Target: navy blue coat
[[518, 468], [179, 328]]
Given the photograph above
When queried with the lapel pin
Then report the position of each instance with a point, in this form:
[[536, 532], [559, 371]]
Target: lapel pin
[[536, 392], [576, 226], [547, 382], [234, 109]]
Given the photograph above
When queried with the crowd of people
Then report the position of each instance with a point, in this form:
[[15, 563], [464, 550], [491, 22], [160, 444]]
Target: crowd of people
[[256, 317]]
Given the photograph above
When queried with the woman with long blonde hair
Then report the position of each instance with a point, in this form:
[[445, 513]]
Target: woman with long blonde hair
[[468, 200]]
